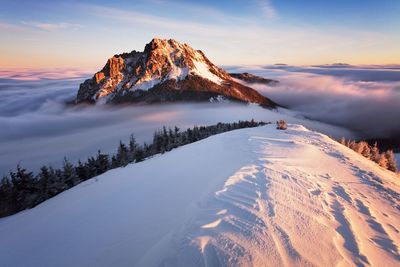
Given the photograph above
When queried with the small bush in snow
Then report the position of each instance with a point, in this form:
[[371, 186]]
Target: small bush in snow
[[281, 125]]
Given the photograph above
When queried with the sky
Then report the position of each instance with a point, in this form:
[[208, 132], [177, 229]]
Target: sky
[[83, 34]]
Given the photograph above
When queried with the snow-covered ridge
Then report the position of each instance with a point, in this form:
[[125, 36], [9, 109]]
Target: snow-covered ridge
[[251, 197]]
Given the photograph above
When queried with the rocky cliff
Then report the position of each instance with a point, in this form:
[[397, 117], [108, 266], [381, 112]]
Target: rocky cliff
[[165, 71]]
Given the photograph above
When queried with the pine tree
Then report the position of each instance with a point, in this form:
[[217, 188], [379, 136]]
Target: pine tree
[[102, 163], [122, 155], [5, 187], [391, 161], [6, 190], [91, 167], [23, 188], [342, 141], [177, 137], [196, 134], [189, 135], [176, 130], [114, 162], [69, 176], [382, 161], [147, 150], [132, 148], [375, 156], [55, 183], [43, 183], [165, 140], [352, 145], [366, 152], [359, 147], [82, 171], [140, 153], [171, 140], [157, 142]]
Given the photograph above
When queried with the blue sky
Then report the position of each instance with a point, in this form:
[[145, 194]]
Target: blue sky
[[85, 33]]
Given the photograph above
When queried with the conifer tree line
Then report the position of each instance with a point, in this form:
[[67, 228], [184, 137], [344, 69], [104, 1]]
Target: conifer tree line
[[384, 159], [22, 189]]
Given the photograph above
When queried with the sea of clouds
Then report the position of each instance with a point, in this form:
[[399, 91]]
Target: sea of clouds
[[38, 127], [364, 99]]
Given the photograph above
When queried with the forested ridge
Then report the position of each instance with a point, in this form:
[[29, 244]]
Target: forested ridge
[[22, 189]]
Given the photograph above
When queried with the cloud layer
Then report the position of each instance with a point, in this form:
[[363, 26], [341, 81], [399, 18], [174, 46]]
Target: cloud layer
[[362, 99], [38, 128]]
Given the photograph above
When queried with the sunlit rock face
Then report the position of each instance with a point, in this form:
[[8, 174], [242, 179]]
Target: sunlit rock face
[[165, 71]]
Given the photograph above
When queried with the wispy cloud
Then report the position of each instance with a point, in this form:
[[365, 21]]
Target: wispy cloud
[[234, 34], [7, 27], [268, 9], [51, 26], [177, 25], [235, 27]]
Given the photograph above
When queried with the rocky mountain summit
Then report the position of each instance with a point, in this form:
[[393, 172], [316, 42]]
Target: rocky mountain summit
[[165, 71]]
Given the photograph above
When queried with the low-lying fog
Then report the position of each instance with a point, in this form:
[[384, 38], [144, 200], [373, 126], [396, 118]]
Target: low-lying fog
[[37, 128], [364, 99]]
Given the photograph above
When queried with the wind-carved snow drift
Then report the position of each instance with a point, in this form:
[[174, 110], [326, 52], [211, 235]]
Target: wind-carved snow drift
[[166, 71], [250, 197]]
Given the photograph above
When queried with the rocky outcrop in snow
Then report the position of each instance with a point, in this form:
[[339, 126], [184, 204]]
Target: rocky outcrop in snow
[[166, 71], [251, 78]]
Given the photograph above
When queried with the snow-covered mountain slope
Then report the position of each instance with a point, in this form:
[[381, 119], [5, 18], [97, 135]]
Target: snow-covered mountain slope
[[165, 71], [251, 197]]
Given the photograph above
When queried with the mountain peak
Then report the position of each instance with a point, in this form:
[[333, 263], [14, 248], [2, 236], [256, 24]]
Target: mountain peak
[[158, 43], [166, 65]]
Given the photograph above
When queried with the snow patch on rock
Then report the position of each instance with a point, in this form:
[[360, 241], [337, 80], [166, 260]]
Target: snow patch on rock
[[146, 85], [201, 69], [178, 73]]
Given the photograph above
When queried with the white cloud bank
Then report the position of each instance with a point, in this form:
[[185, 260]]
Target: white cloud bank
[[343, 98]]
